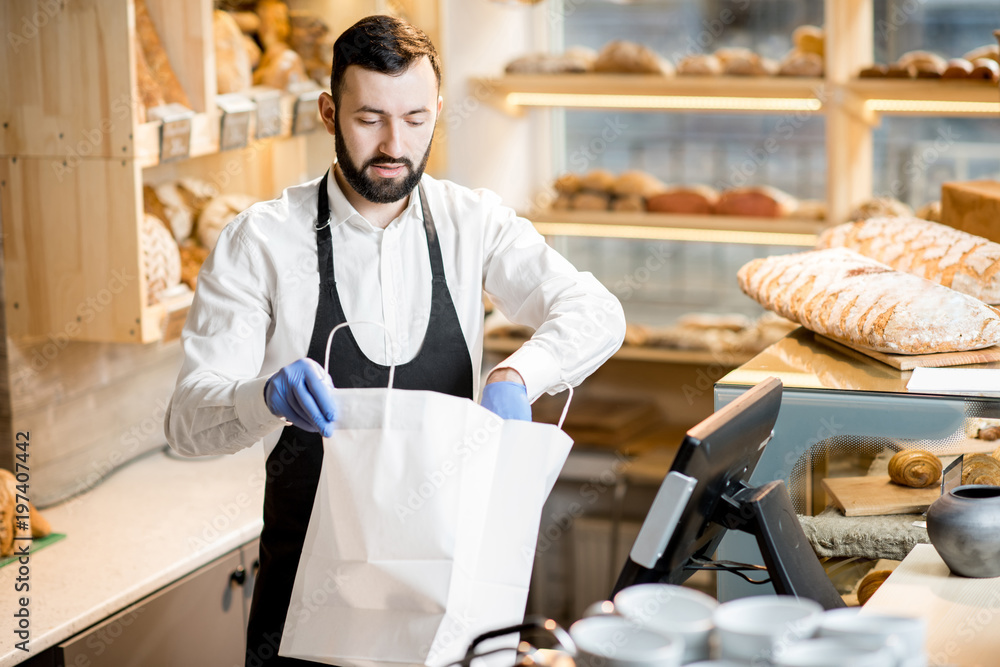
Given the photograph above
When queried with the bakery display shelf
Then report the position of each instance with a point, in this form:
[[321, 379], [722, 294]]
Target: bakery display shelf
[[507, 345], [205, 131], [163, 321], [926, 97], [674, 227], [639, 92]]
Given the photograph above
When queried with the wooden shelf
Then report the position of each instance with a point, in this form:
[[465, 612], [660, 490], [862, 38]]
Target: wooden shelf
[[667, 227], [926, 97], [646, 91], [734, 94], [638, 353]]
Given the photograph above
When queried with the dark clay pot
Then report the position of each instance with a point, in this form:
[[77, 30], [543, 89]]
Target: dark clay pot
[[964, 527]]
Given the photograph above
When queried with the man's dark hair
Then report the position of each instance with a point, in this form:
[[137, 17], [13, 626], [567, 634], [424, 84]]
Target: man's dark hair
[[382, 44]]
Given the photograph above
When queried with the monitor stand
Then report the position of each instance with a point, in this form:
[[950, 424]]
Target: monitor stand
[[766, 512]]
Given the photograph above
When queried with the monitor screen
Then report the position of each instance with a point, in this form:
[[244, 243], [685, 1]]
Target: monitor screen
[[708, 492]]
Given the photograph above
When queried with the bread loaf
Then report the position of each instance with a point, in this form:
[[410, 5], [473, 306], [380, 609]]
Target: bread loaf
[[626, 57], [798, 63], [985, 69], [958, 68], [628, 203], [923, 62], [880, 207], [148, 90], [575, 60], [591, 200], [930, 211], [219, 212], [874, 72], [599, 180], [161, 258], [744, 62], [156, 57], [991, 51], [274, 23], [846, 296], [697, 199], [760, 201], [569, 183], [700, 64], [944, 255], [809, 39], [9, 501], [193, 256], [311, 38], [915, 468], [233, 71], [636, 182], [169, 204], [280, 67]]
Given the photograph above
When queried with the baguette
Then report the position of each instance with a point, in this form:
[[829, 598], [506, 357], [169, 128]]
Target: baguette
[[838, 293], [939, 253]]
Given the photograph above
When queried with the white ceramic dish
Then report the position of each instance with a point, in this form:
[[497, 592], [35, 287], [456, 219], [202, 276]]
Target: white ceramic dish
[[905, 636], [613, 641], [753, 628], [830, 652], [669, 609]]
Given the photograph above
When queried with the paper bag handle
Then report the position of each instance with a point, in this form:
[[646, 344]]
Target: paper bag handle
[[569, 399], [329, 342]]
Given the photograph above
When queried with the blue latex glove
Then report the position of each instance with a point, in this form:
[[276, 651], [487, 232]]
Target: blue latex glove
[[509, 400], [302, 393]]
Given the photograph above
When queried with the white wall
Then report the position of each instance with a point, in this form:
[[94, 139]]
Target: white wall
[[487, 148]]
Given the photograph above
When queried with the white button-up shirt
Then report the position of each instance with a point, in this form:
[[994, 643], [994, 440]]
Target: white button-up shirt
[[255, 305]]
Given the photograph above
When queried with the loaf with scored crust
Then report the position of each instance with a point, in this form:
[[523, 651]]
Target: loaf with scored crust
[[849, 297], [942, 254]]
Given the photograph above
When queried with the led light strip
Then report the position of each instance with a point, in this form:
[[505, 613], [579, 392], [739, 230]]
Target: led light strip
[[675, 234], [663, 102], [932, 106]]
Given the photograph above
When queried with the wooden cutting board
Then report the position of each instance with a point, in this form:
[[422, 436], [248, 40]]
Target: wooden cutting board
[[876, 495], [907, 362]]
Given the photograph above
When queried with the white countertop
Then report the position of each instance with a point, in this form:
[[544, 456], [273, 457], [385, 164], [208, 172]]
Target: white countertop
[[149, 524]]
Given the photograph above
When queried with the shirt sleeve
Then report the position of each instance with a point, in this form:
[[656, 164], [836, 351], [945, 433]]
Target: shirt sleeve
[[218, 404], [578, 323]]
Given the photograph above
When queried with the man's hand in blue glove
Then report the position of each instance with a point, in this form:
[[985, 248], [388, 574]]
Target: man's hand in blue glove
[[302, 393], [508, 399]]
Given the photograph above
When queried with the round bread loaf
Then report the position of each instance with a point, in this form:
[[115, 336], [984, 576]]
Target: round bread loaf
[[915, 468], [219, 212], [161, 258]]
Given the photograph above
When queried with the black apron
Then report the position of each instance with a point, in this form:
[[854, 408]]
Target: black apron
[[443, 364]]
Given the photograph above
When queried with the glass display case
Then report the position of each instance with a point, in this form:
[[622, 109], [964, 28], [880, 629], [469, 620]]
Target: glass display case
[[840, 410]]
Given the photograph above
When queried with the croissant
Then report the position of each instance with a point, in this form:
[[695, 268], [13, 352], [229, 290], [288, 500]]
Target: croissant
[[870, 583], [915, 468], [981, 469]]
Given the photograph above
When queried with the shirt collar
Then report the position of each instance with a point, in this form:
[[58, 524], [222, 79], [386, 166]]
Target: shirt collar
[[342, 211]]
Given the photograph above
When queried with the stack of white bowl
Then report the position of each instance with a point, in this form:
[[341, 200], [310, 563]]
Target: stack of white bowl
[[660, 625]]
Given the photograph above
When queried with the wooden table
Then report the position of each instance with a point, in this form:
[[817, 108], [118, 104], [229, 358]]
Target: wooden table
[[963, 615]]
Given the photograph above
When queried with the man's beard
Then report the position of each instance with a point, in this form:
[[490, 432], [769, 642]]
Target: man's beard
[[382, 190]]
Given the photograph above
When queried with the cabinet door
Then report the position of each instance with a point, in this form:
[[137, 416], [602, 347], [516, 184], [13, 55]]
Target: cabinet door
[[195, 621], [250, 555]]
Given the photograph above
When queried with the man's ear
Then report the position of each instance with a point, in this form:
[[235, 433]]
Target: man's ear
[[440, 104], [328, 112]]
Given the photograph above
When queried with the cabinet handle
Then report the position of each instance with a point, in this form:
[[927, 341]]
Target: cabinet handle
[[238, 576]]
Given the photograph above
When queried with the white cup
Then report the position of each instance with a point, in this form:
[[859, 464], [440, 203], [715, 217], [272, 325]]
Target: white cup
[[614, 641], [753, 628], [830, 652], [670, 609], [904, 635]]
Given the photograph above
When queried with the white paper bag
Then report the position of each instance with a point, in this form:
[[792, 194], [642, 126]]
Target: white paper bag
[[423, 530]]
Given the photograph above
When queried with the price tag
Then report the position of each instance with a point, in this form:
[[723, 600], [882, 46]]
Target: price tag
[[306, 117], [236, 113], [268, 101], [175, 131]]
